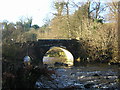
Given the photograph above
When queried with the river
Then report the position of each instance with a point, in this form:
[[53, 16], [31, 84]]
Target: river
[[97, 76]]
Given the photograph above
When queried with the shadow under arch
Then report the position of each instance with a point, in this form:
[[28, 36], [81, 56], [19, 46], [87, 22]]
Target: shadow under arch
[[67, 56]]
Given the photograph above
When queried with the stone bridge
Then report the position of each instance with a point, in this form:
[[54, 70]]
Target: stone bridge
[[37, 49]]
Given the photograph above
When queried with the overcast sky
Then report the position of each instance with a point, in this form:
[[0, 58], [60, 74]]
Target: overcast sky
[[39, 10]]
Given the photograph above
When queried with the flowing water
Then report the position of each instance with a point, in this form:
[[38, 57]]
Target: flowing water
[[51, 61], [83, 77]]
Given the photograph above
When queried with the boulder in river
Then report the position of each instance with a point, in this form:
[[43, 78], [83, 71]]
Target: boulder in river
[[96, 74], [89, 85], [60, 64]]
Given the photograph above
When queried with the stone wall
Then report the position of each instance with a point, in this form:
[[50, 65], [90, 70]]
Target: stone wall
[[36, 50]]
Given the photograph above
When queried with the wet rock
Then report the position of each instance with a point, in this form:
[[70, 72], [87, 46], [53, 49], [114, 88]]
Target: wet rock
[[64, 76], [53, 76], [74, 87], [79, 85], [107, 77], [89, 85], [96, 74], [96, 86], [60, 64], [73, 74], [80, 77], [61, 70], [114, 63], [39, 85]]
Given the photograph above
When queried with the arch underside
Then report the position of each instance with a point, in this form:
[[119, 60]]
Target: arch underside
[[68, 60]]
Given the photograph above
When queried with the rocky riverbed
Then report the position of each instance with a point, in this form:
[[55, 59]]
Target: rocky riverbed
[[82, 77], [88, 76]]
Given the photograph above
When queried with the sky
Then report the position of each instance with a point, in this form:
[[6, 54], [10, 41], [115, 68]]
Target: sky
[[39, 10], [13, 10]]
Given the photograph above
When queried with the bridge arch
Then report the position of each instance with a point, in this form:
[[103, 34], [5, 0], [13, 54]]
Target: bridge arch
[[37, 49], [58, 54]]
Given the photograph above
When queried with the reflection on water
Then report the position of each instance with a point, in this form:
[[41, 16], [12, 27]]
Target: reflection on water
[[51, 60]]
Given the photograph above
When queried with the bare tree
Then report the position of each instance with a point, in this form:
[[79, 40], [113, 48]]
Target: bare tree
[[59, 6], [113, 10]]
